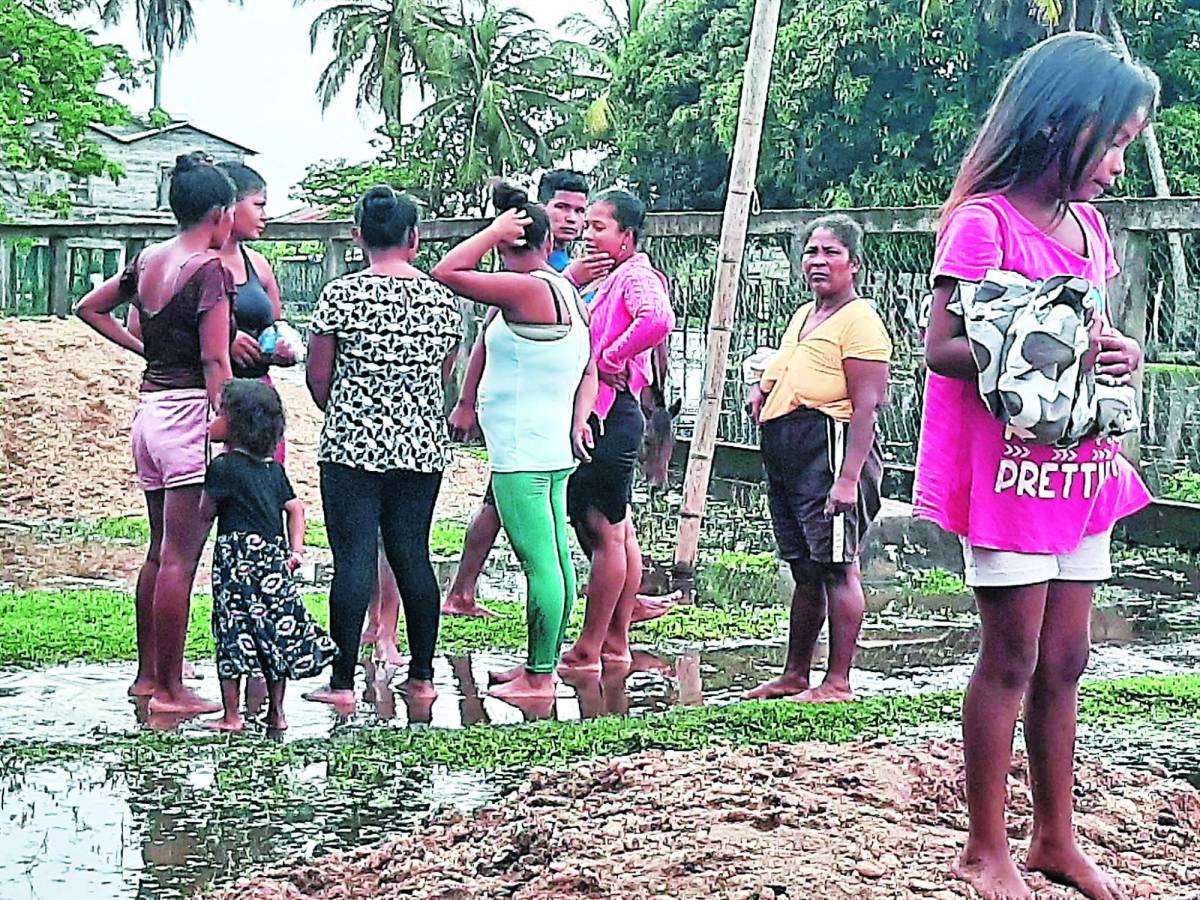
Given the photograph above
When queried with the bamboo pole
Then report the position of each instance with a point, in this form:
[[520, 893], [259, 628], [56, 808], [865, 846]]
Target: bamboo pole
[[743, 171]]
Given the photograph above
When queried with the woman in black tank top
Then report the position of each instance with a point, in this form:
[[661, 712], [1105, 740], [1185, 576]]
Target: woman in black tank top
[[257, 305]]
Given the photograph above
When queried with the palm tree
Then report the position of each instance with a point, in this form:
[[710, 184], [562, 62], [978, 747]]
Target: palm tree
[[498, 104], [602, 44], [380, 42], [164, 25]]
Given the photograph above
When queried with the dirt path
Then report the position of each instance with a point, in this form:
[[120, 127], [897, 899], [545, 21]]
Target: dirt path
[[803, 821], [66, 402]]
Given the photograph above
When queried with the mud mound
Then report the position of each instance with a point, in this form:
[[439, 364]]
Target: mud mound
[[781, 821], [67, 398]]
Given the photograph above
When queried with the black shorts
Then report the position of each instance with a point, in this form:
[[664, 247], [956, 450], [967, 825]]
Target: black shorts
[[606, 483], [802, 453]]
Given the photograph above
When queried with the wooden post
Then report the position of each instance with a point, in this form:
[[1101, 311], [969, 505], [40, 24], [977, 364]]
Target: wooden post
[[335, 257], [743, 171], [60, 278], [6, 253], [1128, 309]]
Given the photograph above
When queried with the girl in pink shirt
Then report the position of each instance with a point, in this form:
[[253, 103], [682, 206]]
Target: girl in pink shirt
[[1035, 521]]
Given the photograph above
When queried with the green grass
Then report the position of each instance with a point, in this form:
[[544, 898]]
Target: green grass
[[1182, 486], [51, 627], [1173, 369], [446, 538], [739, 579], [367, 753], [937, 583]]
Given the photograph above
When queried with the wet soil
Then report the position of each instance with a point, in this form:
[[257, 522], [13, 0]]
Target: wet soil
[[859, 821]]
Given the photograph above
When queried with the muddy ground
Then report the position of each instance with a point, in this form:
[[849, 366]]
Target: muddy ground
[[67, 399], [802, 821]]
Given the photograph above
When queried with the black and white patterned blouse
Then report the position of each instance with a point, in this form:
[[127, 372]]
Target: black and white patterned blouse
[[385, 407]]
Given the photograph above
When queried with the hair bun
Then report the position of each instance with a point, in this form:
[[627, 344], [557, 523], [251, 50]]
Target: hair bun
[[380, 200], [507, 196], [186, 162]]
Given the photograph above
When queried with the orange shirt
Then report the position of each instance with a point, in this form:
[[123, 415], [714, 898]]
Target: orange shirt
[[808, 372]]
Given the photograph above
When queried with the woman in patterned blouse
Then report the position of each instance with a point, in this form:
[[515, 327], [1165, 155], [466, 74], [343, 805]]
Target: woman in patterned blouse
[[382, 343]]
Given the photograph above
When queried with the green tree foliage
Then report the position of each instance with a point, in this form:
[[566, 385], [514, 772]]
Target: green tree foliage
[[499, 99], [49, 80], [870, 104]]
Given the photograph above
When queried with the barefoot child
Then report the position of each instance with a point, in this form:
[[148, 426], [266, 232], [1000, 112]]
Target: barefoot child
[[260, 625], [1054, 140]]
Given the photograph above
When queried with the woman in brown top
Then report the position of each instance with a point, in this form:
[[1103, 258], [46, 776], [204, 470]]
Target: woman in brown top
[[183, 296]]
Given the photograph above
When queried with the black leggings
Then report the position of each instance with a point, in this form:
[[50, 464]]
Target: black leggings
[[359, 505]]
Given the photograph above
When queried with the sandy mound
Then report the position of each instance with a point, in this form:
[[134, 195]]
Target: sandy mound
[[798, 821], [67, 398]]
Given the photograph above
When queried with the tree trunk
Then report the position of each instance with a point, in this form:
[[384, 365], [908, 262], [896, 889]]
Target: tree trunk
[[1184, 307], [158, 76], [743, 171]]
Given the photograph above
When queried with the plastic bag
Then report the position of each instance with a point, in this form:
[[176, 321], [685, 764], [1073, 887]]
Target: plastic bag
[[282, 340]]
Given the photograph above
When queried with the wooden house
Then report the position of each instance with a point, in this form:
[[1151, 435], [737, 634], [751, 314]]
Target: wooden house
[[147, 155]]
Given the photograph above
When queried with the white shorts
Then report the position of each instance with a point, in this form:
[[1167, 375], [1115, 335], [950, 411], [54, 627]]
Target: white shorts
[[1090, 561]]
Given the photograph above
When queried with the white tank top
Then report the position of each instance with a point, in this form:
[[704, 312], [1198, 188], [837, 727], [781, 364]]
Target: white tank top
[[527, 392]]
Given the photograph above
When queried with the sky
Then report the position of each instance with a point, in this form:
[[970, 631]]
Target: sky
[[249, 75]]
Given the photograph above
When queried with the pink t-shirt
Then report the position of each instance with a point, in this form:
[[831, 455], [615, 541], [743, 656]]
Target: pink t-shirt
[[1003, 493]]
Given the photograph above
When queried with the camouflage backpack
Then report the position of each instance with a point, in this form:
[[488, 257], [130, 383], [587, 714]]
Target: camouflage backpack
[[1029, 340]]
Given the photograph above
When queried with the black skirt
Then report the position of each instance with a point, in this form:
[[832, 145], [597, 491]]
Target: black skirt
[[259, 622]]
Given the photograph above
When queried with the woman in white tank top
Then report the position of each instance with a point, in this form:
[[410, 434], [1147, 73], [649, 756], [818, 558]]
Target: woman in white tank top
[[538, 388]]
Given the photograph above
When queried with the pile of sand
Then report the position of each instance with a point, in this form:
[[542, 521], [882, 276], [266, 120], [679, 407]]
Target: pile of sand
[[67, 398], [802, 821]]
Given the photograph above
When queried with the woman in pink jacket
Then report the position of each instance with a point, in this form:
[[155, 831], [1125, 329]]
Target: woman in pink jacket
[[631, 314]]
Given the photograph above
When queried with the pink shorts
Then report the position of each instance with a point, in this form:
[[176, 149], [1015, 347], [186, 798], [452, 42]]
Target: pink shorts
[[170, 438]]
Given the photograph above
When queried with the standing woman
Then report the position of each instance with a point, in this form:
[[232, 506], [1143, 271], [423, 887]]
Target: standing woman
[[183, 297], [382, 343], [536, 392], [1053, 141], [257, 304], [631, 314], [817, 404]]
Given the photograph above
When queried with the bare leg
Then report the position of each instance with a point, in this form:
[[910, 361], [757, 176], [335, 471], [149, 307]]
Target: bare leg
[[616, 641], [231, 691], [144, 681], [275, 718], [809, 605], [606, 583], [388, 593], [481, 537], [184, 532], [1011, 623], [1051, 707], [843, 588]]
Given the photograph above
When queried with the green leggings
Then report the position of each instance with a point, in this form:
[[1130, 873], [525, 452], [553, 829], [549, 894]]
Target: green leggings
[[533, 510]]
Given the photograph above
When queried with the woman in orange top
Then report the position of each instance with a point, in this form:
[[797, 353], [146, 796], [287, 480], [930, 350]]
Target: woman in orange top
[[817, 404]]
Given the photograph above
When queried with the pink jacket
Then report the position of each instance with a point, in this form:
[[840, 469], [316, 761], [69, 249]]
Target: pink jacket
[[631, 314]]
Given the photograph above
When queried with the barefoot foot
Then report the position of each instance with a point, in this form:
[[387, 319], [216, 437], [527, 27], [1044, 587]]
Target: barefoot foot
[[825, 693], [343, 698], [369, 637], [647, 608], [227, 723], [525, 686], [993, 875], [276, 720], [387, 652], [1070, 866], [575, 661], [507, 675], [181, 701], [786, 685], [142, 687], [465, 606], [419, 689]]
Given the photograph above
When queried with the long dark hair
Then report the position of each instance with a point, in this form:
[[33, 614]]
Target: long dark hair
[[1070, 87], [628, 211], [245, 180]]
